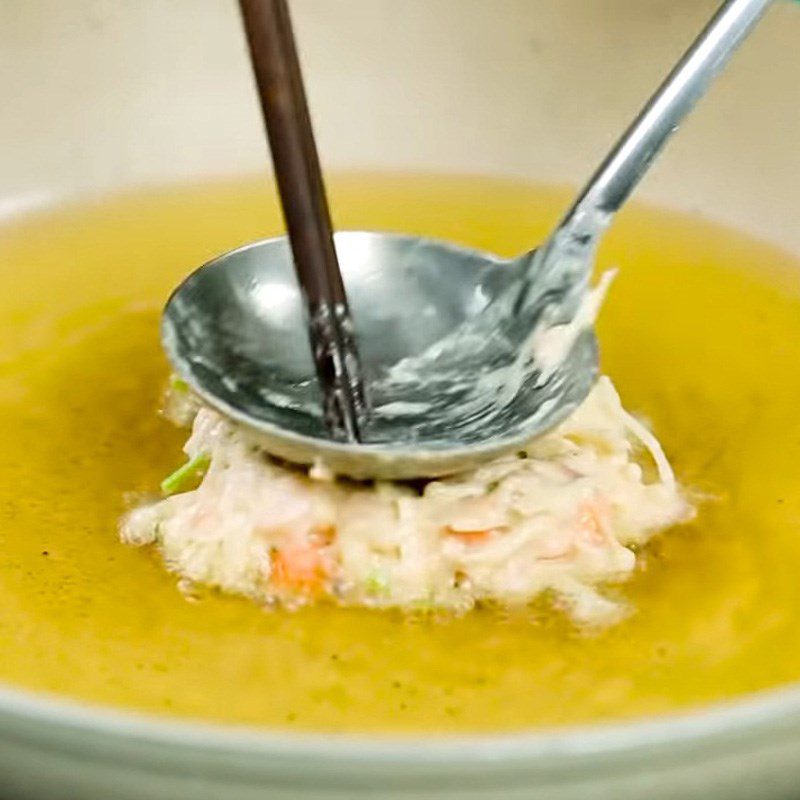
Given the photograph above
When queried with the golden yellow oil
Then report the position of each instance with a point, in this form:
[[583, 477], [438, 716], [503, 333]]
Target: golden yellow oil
[[701, 334]]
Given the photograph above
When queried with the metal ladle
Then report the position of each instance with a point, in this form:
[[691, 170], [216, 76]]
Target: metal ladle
[[444, 332]]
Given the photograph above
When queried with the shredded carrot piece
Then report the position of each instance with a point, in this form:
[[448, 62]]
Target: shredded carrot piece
[[299, 569], [323, 535], [470, 537], [591, 521]]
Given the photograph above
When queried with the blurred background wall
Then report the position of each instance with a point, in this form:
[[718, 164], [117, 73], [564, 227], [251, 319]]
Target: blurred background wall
[[99, 93]]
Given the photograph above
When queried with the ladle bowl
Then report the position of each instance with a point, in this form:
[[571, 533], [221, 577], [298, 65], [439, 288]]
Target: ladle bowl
[[242, 315]]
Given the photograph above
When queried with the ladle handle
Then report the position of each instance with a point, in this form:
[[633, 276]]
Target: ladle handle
[[632, 155]]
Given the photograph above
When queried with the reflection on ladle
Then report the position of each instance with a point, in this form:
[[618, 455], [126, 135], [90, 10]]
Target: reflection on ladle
[[446, 331]]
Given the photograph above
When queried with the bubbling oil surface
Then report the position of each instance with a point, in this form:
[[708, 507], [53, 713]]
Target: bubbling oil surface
[[701, 334]]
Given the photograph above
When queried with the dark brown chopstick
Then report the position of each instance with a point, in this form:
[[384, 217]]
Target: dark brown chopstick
[[305, 208]]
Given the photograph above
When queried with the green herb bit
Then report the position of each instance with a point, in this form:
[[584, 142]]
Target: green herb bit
[[377, 584], [424, 604], [186, 476], [178, 385]]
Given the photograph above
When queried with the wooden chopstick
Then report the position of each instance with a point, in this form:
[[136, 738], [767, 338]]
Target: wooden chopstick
[[305, 208]]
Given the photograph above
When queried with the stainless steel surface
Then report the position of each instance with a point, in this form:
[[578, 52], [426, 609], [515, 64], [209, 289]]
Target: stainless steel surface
[[234, 329], [445, 332]]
